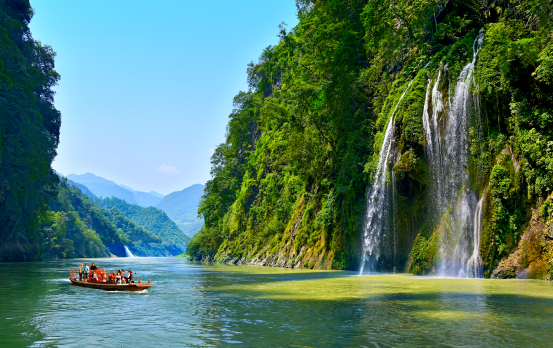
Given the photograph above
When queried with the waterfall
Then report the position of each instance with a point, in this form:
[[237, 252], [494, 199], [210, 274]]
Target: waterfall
[[128, 252], [378, 203], [474, 264], [452, 204]]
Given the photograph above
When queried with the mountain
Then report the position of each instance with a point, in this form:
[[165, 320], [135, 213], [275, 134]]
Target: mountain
[[141, 242], [182, 207], [83, 188], [29, 131], [145, 199], [152, 219], [74, 226], [102, 187], [392, 136], [157, 194], [106, 188]]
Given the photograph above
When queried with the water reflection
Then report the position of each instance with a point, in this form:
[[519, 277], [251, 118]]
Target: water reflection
[[199, 305]]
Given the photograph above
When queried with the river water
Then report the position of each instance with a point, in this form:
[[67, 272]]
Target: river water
[[211, 305]]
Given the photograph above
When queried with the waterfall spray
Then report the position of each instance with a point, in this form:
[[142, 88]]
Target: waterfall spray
[[378, 200], [474, 264], [453, 205], [128, 252]]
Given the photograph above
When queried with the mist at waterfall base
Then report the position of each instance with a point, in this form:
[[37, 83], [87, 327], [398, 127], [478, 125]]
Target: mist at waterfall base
[[128, 252], [453, 206]]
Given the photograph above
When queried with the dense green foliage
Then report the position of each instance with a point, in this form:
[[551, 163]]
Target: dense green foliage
[[153, 220], [303, 142], [140, 241], [182, 207], [513, 76], [74, 226], [29, 131]]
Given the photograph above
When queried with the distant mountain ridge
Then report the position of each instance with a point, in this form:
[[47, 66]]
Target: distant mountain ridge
[[83, 188], [101, 187], [75, 226], [152, 219], [182, 207]]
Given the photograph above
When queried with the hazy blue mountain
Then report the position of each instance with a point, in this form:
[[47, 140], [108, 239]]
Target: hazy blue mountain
[[106, 188], [102, 187], [157, 194], [182, 207], [144, 199], [83, 188]]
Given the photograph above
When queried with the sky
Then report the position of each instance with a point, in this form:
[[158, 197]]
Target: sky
[[147, 86]]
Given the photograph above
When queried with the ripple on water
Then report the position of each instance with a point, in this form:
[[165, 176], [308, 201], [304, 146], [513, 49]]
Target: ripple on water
[[198, 305]]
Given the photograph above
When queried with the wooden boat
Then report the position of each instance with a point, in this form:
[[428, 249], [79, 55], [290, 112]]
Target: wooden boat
[[74, 278]]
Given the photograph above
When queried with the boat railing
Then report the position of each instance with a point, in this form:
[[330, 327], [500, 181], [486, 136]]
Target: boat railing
[[74, 273]]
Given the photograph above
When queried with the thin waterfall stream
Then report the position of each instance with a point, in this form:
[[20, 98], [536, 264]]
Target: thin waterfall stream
[[378, 199], [128, 252]]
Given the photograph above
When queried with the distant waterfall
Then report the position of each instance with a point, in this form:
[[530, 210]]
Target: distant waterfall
[[128, 252], [452, 204], [376, 234]]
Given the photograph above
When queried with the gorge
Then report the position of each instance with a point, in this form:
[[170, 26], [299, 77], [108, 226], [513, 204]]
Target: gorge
[[375, 136], [412, 136]]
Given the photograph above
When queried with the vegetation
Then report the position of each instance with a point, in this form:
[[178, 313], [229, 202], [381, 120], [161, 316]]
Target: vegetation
[[289, 183], [182, 207], [29, 132], [101, 187], [302, 143], [74, 226], [153, 220]]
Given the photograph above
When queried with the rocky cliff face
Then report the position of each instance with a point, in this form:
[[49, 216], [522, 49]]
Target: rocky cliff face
[[532, 258]]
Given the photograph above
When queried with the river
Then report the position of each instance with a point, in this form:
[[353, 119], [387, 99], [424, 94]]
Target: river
[[212, 305]]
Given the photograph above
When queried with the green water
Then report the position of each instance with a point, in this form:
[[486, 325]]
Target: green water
[[201, 305]]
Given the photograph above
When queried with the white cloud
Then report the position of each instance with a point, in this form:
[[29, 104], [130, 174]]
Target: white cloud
[[167, 169]]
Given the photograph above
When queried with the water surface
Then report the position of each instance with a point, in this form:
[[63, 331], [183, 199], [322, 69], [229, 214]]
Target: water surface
[[203, 305]]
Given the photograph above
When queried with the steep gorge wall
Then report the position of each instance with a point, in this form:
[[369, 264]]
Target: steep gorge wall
[[289, 185]]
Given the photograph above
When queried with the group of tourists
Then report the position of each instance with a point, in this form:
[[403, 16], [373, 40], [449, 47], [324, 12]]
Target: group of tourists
[[95, 274]]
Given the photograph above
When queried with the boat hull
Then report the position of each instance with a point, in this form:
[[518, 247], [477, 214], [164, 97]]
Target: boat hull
[[112, 287]]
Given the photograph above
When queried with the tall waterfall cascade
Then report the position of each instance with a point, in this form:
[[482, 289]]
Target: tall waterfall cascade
[[376, 236], [128, 252], [453, 206]]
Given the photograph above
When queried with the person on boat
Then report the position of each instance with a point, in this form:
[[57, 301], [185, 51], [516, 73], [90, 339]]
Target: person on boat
[[86, 269], [104, 275], [94, 276], [81, 272], [129, 278], [123, 279], [93, 267]]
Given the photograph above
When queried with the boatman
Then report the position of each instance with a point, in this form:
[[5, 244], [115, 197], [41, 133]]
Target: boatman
[[86, 269]]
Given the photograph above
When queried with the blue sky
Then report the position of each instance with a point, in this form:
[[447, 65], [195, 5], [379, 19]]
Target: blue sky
[[147, 86]]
